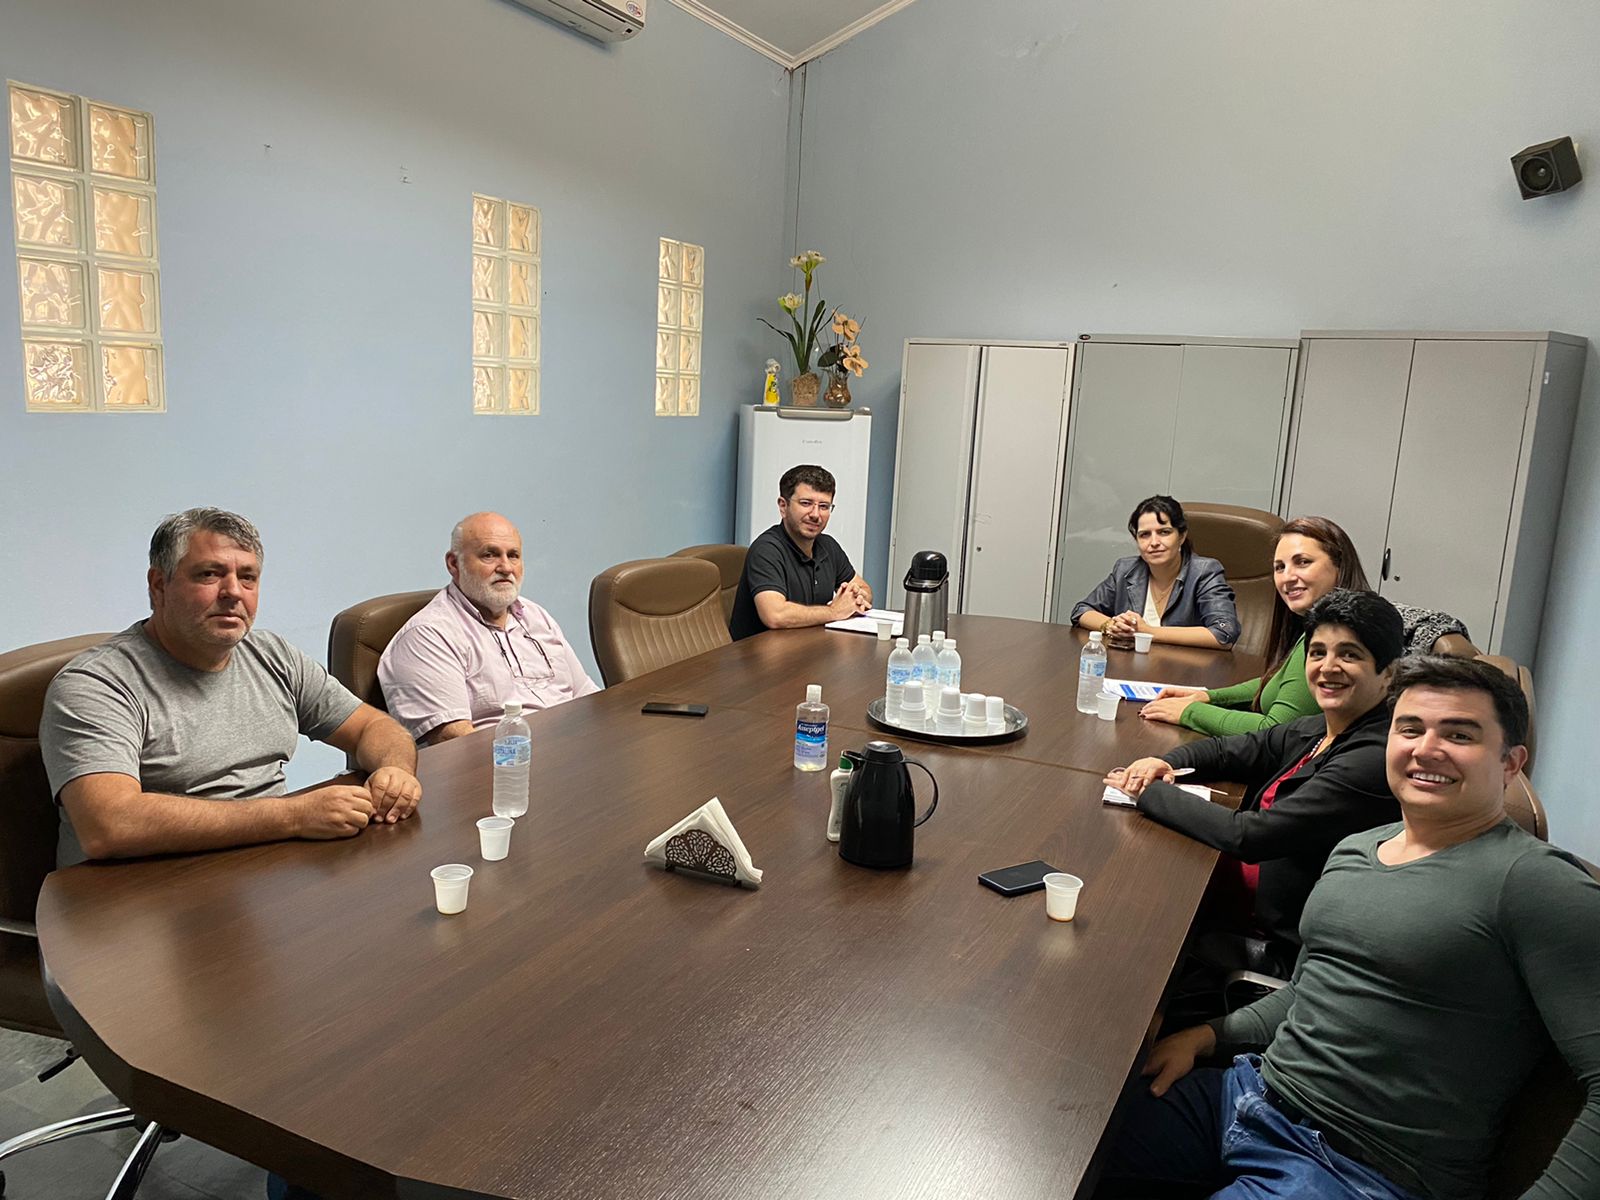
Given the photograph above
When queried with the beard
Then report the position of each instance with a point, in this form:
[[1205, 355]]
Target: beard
[[496, 595]]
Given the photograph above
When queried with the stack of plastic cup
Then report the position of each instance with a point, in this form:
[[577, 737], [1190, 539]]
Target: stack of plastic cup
[[948, 718], [994, 710], [913, 712], [973, 718]]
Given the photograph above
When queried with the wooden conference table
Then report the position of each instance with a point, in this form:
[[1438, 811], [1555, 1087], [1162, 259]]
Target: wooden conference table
[[592, 1027]]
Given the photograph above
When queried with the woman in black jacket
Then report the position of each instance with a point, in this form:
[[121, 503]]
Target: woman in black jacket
[[1313, 781]]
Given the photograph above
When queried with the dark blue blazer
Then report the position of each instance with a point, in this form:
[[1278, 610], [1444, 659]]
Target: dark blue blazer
[[1200, 596]]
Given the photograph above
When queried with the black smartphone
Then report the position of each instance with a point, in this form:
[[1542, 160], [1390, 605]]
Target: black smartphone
[[1018, 880], [663, 708]]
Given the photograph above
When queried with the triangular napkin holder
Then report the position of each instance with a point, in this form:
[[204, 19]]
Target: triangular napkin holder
[[696, 852], [706, 844]]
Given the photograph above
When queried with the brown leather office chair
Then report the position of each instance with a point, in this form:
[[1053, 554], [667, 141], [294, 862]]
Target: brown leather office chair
[[1242, 540], [1453, 645], [359, 636], [651, 613], [1524, 678], [729, 560], [28, 824], [1523, 807]]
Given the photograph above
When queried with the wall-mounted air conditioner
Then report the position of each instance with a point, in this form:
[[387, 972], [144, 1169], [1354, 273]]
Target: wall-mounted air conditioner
[[604, 20]]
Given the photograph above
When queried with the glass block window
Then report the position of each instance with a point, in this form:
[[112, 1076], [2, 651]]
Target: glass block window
[[680, 316], [83, 206], [505, 307]]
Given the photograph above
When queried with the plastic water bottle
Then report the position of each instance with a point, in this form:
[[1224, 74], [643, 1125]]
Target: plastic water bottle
[[938, 640], [925, 667], [513, 751], [1091, 673], [949, 665], [900, 669], [811, 731]]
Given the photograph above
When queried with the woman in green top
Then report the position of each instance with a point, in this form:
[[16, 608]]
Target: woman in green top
[[1313, 557]]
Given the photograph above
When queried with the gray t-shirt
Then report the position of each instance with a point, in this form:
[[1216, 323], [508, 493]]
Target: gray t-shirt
[[127, 707], [1425, 995]]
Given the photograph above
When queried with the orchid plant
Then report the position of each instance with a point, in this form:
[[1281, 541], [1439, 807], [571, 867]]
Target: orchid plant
[[807, 323]]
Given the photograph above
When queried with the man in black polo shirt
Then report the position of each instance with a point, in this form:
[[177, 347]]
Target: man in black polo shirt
[[795, 575]]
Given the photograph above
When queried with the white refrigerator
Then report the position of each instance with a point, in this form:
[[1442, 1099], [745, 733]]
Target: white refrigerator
[[773, 439]]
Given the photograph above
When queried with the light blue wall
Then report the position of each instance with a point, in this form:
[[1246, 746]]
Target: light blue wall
[[1043, 168], [315, 297]]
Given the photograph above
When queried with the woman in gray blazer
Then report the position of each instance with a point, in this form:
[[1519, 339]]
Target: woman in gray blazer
[[1166, 590]]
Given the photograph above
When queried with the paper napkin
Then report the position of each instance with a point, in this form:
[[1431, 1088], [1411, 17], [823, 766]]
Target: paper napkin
[[705, 841]]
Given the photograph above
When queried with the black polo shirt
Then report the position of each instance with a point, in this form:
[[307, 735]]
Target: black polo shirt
[[775, 564]]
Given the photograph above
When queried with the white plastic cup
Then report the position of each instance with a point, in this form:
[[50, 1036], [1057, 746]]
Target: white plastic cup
[[1141, 642], [885, 630], [994, 708], [494, 837], [450, 884], [1105, 705], [1061, 895]]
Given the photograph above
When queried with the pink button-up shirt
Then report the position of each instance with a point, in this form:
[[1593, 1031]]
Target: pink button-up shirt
[[448, 664]]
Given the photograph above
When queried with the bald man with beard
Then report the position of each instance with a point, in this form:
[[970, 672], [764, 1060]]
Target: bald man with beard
[[478, 643]]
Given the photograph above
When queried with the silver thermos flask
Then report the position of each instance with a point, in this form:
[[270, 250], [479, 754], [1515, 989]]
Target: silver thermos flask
[[927, 595]]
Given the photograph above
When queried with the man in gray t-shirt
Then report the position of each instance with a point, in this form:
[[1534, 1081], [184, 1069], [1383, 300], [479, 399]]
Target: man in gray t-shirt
[[143, 732], [1442, 958]]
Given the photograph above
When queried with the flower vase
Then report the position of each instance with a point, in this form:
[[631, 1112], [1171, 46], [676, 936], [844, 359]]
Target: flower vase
[[838, 393], [803, 390]]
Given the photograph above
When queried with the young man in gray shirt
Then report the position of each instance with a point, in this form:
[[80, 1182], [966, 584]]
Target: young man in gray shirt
[[1442, 956], [142, 734]]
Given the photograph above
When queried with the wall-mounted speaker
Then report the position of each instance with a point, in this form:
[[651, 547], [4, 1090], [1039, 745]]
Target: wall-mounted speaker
[[1547, 168]]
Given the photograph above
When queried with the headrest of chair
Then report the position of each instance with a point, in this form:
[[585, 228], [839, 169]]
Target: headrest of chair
[[728, 558], [661, 586], [379, 619], [25, 674], [1241, 539]]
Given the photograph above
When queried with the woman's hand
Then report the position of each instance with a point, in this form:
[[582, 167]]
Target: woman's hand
[[1173, 1057], [1167, 693], [1124, 624], [1134, 778], [1169, 709]]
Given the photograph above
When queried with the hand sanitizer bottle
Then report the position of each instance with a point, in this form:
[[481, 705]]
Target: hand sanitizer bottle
[[838, 784], [811, 731]]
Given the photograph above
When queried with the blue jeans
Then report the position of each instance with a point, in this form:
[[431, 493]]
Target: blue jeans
[[1215, 1131], [279, 1188]]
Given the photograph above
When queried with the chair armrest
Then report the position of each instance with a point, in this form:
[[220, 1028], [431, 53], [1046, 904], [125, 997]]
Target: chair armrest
[[1240, 988]]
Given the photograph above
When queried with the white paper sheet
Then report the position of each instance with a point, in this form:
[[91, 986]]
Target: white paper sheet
[[867, 622], [1136, 690], [1116, 796]]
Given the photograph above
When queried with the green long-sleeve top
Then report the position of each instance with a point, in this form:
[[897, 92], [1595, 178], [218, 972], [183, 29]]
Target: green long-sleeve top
[[1425, 994], [1285, 697]]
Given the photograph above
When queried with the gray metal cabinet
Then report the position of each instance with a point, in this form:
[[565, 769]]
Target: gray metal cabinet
[[1201, 419], [1443, 455], [977, 470]]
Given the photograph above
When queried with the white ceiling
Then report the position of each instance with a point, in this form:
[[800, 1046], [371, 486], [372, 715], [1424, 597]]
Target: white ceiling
[[792, 31]]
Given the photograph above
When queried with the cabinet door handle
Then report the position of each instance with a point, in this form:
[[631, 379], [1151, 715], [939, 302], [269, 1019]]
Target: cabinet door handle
[[1385, 574]]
